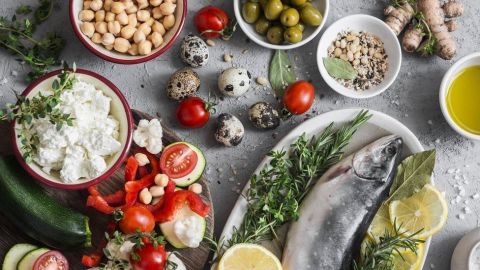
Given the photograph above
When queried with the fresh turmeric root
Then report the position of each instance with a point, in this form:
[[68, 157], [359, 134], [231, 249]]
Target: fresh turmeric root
[[399, 17]]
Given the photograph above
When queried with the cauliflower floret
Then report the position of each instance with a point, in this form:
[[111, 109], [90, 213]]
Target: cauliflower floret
[[149, 135]]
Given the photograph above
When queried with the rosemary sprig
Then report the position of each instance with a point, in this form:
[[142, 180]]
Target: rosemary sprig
[[379, 255], [276, 192]]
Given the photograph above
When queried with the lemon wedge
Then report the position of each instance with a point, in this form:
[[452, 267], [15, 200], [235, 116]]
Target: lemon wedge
[[249, 257], [409, 260], [426, 210]]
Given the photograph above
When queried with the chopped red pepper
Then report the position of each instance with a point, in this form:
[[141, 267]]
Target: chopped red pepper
[[134, 187], [91, 260], [116, 198], [172, 202], [99, 203], [94, 259], [131, 169], [93, 190]]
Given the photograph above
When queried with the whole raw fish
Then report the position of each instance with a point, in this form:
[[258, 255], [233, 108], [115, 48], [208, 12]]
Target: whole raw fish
[[336, 213]]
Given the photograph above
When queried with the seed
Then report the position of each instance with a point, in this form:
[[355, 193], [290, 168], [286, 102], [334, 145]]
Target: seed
[[350, 38], [161, 180], [262, 81], [142, 159], [350, 56], [157, 191], [338, 52], [356, 62], [378, 55], [343, 44], [357, 55], [227, 57], [210, 43], [337, 43]]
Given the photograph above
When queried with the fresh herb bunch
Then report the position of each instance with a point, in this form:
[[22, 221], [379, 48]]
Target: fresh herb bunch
[[378, 255], [16, 36], [276, 193], [25, 110]]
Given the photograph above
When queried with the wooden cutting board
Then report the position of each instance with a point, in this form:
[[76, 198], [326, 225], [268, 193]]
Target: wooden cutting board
[[9, 235]]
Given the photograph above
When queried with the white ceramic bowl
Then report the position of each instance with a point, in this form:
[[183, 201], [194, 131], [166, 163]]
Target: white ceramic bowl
[[467, 61], [119, 108], [309, 33], [463, 256], [98, 49], [374, 26]]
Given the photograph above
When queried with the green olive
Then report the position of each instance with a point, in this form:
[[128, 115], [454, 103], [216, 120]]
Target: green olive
[[251, 12], [262, 25], [290, 17], [311, 16], [275, 35], [273, 9], [293, 35], [300, 26], [298, 3]]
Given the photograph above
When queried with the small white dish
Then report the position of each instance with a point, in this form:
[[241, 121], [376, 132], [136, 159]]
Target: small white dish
[[375, 26], [309, 33], [464, 254], [467, 61]]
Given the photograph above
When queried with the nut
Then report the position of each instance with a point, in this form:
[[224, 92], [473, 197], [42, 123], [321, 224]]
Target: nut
[[161, 180], [145, 196], [142, 159], [157, 191]]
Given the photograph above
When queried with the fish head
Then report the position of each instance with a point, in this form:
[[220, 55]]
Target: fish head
[[377, 161]]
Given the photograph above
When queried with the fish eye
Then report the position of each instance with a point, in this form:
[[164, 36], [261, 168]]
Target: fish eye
[[391, 150]]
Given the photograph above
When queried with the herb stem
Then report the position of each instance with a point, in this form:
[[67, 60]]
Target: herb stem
[[9, 29]]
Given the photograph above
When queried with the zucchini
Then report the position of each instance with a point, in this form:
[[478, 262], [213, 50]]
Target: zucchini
[[27, 262], [15, 255], [28, 207]]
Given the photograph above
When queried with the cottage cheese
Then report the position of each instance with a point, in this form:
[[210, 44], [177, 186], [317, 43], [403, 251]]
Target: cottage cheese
[[149, 135], [189, 231], [79, 151]]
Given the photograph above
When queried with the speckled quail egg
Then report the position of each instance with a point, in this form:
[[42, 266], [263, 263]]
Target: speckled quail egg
[[264, 116], [230, 130], [183, 83], [194, 51], [234, 81]]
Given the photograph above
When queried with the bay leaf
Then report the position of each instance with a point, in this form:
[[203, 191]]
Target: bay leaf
[[417, 164], [281, 72], [410, 187], [339, 68]]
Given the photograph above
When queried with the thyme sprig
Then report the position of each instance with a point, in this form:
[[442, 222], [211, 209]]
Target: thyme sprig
[[276, 192]]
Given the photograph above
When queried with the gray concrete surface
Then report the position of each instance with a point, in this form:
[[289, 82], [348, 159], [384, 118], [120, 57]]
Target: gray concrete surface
[[413, 99]]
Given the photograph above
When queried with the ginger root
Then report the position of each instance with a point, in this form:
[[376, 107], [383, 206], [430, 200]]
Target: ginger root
[[399, 17], [451, 25], [412, 39], [453, 9]]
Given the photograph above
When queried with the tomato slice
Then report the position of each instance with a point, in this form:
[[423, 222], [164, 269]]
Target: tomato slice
[[178, 160], [52, 260]]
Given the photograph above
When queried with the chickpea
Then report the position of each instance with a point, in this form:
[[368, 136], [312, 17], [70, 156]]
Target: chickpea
[[128, 31], [145, 47], [143, 15], [114, 27], [109, 47], [108, 39], [86, 4], [121, 45], [156, 39], [157, 191], [88, 29], [142, 4], [167, 8], [139, 36], [171, 1], [132, 10], [155, 3], [195, 188], [100, 16], [150, 21], [101, 27], [142, 159], [337, 52], [127, 3], [107, 5], [145, 196], [117, 7], [96, 5], [156, 13], [86, 15], [161, 180], [158, 27], [132, 20], [169, 21], [145, 28], [133, 50], [110, 17], [122, 18], [97, 38]]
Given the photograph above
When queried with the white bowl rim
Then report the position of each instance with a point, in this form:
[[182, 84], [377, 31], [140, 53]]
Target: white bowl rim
[[470, 254], [243, 26], [450, 74], [365, 93]]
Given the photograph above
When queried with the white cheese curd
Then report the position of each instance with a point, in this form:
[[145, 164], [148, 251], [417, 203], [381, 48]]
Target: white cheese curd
[[171, 257], [149, 135], [79, 151], [189, 231]]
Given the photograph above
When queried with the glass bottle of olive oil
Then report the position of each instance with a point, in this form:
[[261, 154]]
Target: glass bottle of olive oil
[[463, 99]]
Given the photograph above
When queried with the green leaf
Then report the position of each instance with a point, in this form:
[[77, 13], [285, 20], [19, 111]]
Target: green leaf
[[339, 68], [281, 72]]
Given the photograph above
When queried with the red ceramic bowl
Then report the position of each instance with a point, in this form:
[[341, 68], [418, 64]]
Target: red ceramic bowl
[[169, 38], [119, 108]]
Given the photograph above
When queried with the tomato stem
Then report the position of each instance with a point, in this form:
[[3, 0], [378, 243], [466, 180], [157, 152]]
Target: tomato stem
[[226, 33]]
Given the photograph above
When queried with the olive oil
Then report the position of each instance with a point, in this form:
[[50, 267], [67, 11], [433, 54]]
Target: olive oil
[[463, 99]]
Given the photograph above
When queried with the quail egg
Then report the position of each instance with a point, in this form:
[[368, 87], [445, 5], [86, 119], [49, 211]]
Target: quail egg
[[234, 81], [230, 130], [264, 116], [183, 83], [194, 51]]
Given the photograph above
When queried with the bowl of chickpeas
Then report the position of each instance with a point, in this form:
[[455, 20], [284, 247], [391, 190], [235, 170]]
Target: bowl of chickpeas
[[281, 24], [128, 31]]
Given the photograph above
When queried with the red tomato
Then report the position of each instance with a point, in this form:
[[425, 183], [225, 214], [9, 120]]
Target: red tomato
[[193, 112], [137, 218], [299, 97], [212, 22], [52, 260], [149, 257], [178, 160]]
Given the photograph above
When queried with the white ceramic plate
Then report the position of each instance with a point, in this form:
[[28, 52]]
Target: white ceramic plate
[[378, 126]]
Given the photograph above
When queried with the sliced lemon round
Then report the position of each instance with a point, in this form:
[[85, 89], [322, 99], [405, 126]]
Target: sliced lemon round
[[380, 223], [425, 210], [409, 260], [249, 257]]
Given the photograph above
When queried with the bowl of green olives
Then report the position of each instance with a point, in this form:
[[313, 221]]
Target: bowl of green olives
[[281, 24]]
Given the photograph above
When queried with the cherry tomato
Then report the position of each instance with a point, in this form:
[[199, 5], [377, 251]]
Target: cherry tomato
[[212, 22], [149, 258], [52, 260], [193, 112], [178, 160], [299, 97], [137, 218]]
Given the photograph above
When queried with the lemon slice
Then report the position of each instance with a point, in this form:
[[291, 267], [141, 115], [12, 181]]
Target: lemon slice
[[409, 260], [248, 257], [380, 223], [426, 210]]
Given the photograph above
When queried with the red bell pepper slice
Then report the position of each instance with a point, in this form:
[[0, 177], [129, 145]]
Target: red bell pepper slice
[[99, 203], [116, 198], [131, 169], [174, 201]]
